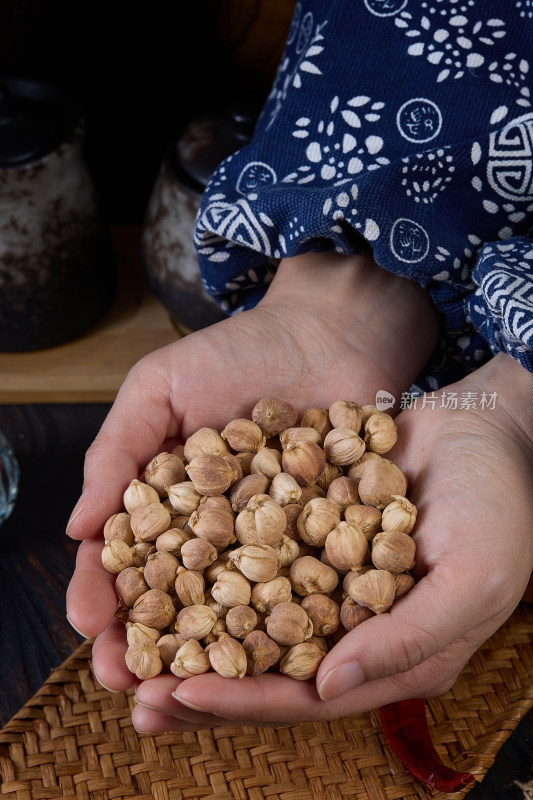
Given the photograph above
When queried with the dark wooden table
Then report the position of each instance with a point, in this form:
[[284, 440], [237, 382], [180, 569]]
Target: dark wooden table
[[37, 560]]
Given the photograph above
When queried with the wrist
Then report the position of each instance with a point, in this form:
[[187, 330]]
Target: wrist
[[511, 385], [389, 320]]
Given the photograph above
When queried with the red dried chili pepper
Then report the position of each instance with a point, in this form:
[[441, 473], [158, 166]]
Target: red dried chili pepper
[[406, 730]]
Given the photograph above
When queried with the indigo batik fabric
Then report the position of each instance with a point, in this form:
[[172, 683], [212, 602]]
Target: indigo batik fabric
[[404, 127]]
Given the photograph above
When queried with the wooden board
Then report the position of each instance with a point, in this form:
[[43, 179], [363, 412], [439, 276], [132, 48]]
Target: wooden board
[[91, 368]]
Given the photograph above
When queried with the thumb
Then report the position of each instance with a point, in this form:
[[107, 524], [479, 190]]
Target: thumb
[[137, 424], [427, 619]]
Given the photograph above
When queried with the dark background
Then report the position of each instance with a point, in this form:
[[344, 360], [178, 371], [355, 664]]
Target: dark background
[[141, 72]]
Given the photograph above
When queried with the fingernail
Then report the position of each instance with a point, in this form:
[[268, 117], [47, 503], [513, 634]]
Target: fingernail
[[188, 703], [145, 705], [76, 629], [103, 684], [340, 680], [153, 733], [78, 508]]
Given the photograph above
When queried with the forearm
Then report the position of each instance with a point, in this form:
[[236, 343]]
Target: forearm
[[390, 320]]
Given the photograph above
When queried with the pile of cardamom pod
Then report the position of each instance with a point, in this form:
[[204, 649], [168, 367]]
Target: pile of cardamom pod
[[259, 546]]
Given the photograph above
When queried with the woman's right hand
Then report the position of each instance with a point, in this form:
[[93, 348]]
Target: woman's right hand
[[329, 327]]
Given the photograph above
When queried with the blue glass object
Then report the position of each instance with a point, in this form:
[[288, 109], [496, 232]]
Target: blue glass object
[[9, 478]]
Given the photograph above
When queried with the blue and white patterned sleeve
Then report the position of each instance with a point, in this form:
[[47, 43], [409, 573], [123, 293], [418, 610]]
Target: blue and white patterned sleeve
[[404, 127]]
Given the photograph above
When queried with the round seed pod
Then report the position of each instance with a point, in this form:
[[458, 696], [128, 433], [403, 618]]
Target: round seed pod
[[244, 436], [355, 471], [381, 433], [404, 583], [323, 612], [147, 522], [129, 585], [393, 551], [183, 497], [352, 614], [262, 652], [116, 556], [346, 414], [143, 659], [302, 661], [343, 446], [343, 492], [381, 481], [118, 526], [317, 418], [243, 491], [266, 462], [191, 659], [137, 632], [288, 551], [164, 470], [240, 621], [195, 622], [265, 596], [198, 554], [375, 589], [154, 609], [308, 575], [273, 415], [318, 518], [289, 624], [263, 521], [399, 515], [228, 658], [172, 541], [257, 562], [231, 588], [366, 518], [305, 461], [160, 571], [215, 523], [285, 489], [190, 587], [210, 475], [139, 494], [204, 442], [346, 546]]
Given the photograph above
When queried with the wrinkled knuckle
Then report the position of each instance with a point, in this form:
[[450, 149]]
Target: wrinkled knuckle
[[100, 444], [412, 649], [408, 654], [138, 370]]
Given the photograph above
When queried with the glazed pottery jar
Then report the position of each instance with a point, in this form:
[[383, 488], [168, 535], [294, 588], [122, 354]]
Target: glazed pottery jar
[[57, 274], [169, 256]]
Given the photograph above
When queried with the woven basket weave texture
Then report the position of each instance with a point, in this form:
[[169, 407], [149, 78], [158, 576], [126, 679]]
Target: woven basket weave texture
[[75, 740]]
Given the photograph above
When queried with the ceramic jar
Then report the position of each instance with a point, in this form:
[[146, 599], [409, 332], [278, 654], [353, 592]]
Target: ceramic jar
[[169, 255], [57, 274]]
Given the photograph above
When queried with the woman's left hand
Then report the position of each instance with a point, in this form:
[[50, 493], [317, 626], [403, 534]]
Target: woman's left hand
[[470, 473]]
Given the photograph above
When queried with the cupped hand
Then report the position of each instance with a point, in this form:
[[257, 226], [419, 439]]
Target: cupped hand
[[317, 336], [470, 473]]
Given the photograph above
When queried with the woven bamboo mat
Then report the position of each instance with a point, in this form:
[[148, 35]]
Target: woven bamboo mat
[[75, 740]]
